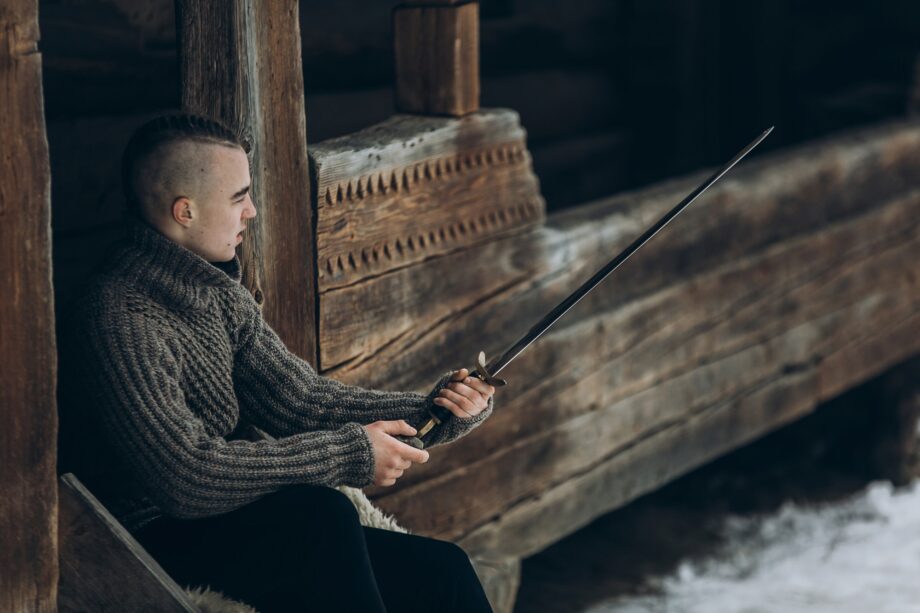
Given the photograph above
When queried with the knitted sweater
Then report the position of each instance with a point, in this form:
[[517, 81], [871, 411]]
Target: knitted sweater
[[171, 352]]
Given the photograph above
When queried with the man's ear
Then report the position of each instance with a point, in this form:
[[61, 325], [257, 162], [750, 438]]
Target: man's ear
[[183, 211]]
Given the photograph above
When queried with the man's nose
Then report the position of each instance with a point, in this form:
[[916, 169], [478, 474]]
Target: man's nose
[[251, 209]]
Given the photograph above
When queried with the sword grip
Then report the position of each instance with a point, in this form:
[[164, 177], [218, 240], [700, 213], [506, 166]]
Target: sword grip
[[439, 415]]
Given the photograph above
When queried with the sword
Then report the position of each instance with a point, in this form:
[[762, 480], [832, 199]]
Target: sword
[[488, 372]]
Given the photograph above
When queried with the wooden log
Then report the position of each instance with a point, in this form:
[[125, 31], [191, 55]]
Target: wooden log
[[102, 567], [626, 344], [891, 424], [405, 192], [28, 417], [510, 282], [789, 255], [533, 524], [437, 58], [240, 62], [715, 343]]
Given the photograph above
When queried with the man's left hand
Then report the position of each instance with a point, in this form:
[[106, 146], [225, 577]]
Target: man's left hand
[[465, 396]]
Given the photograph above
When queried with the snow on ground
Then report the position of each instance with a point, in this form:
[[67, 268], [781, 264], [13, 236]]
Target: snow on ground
[[859, 555]]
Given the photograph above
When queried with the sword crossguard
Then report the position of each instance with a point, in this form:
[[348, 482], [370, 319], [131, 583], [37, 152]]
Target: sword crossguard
[[439, 414], [482, 372]]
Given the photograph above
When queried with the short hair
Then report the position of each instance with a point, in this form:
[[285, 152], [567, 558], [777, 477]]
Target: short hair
[[164, 130]]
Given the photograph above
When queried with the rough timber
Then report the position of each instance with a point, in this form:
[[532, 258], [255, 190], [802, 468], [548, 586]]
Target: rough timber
[[793, 280]]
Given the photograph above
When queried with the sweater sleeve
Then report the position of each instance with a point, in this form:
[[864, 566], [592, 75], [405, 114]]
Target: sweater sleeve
[[133, 376], [283, 394]]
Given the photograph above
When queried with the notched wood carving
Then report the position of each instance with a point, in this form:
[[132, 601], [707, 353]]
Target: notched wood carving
[[413, 188]]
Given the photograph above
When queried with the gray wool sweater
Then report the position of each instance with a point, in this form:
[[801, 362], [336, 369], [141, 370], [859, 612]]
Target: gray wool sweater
[[172, 352]]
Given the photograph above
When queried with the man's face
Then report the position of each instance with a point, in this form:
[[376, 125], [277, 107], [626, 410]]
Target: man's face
[[223, 206]]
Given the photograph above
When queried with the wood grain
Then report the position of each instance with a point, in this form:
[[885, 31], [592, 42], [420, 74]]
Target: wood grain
[[407, 191], [793, 281], [728, 337], [102, 567], [437, 58], [28, 417], [241, 62], [426, 319]]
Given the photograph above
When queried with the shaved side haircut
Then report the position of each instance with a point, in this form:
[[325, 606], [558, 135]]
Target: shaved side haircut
[[162, 160]]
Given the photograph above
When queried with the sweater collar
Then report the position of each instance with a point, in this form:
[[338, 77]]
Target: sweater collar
[[155, 263]]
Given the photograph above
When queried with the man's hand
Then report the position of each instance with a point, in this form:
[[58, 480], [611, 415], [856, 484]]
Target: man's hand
[[465, 396], [391, 456]]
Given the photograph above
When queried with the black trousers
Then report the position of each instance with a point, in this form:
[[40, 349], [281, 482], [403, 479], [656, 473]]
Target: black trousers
[[303, 549]]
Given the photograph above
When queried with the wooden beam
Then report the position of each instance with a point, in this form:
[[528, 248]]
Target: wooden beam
[[28, 361], [102, 567], [405, 192], [437, 58], [790, 282], [682, 352], [510, 282], [241, 62]]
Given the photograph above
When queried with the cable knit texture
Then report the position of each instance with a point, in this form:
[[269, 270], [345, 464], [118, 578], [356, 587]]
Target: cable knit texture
[[174, 356]]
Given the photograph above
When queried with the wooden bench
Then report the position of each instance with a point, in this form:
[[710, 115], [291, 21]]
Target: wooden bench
[[102, 567]]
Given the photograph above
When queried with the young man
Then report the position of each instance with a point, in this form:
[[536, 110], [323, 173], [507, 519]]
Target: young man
[[175, 358]]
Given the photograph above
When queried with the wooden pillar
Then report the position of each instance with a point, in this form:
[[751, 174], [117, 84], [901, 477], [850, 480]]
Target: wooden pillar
[[897, 421], [28, 364], [437, 57], [240, 62]]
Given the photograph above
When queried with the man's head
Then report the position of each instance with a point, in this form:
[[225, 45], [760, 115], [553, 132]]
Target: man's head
[[188, 177]]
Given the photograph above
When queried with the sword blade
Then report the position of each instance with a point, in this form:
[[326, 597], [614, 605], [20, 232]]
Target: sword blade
[[498, 364]]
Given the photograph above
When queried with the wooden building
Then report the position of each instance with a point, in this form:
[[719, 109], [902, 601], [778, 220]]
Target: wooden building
[[389, 253]]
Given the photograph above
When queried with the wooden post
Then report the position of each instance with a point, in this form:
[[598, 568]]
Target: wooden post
[[28, 417], [437, 57], [240, 62]]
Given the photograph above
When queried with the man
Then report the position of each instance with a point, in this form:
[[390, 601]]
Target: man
[[174, 355]]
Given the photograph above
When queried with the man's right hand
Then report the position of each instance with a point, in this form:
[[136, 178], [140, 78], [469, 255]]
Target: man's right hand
[[391, 456]]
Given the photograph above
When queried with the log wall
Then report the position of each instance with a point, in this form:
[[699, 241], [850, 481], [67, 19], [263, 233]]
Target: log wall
[[792, 280], [789, 284]]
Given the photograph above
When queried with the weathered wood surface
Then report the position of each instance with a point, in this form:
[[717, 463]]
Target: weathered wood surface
[[28, 417], [509, 283], [793, 280], [241, 62], [437, 58], [686, 350], [93, 547], [404, 192], [500, 578]]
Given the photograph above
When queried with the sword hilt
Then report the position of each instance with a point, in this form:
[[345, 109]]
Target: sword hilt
[[439, 415]]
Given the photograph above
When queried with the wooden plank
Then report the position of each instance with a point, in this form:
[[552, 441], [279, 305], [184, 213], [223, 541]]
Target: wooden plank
[[713, 341], [437, 58], [510, 282], [534, 524], [28, 417], [404, 192], [241, 62], [102, 567], [619, 353]]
